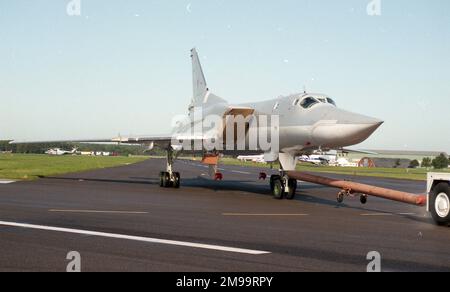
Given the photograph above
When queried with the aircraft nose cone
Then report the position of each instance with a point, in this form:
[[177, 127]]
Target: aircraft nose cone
[[341, 128]]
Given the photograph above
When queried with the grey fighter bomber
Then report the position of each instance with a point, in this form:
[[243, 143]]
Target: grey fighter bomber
[[281, 129]]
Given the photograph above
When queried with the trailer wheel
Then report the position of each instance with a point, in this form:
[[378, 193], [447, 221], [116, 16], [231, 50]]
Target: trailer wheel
[[440, 204], [340, 197], [363, 199]]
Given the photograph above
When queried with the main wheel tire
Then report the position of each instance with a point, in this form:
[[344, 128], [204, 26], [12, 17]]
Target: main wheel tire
[[166, 180], [278, 189], [177, 180], [273, 178], [440, 204], [161, 179], [292, 185]]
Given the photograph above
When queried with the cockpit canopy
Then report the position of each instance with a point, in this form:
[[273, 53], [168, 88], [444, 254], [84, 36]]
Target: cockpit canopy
[[309, 101]]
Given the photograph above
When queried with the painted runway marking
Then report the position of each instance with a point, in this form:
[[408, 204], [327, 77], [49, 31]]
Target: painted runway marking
[[378, 214], [136, 238], [262, 215], [388, 214], [4, 182], [95, 211], [240, 172]]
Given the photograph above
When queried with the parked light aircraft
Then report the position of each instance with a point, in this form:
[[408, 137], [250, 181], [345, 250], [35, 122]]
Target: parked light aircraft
[[315, 159], [252, 158], [306, 122], [60, 152]]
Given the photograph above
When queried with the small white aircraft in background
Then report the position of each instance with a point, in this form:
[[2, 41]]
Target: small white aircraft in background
[[252, 158], [60, 152], [315, 159]]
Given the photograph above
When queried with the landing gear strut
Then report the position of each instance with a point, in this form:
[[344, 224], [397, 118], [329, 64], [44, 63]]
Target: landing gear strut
[[169, 178], [283, 187]]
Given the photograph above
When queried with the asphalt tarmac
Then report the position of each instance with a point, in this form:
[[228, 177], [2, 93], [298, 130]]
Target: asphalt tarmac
[[119, 219]]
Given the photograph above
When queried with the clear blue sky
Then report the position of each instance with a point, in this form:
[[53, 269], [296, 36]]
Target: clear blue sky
[[124, 67]]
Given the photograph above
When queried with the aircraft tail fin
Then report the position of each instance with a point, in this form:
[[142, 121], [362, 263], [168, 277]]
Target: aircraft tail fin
[[198, 80], [202, 94]]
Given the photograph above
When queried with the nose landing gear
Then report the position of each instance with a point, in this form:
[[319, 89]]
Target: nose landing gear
[[283, 187]]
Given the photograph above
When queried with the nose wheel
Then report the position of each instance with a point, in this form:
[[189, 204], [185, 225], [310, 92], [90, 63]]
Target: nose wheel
[[283, 187], [292, 189], [278, 189]]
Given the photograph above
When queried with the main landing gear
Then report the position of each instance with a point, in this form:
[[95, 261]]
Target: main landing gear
[[283, 187], [169, 178]]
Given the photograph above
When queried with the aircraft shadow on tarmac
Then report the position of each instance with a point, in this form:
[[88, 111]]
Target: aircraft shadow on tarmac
[[240, 186]]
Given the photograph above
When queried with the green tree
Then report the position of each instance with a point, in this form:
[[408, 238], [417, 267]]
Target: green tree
[[414, 164], [441, 162], [426, 162], [397, 163]]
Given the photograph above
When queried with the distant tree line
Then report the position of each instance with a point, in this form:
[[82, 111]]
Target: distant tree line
[[440, 162], [414, 164], [123, 150]]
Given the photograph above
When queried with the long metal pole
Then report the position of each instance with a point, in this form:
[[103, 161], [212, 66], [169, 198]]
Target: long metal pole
[[352, 187]]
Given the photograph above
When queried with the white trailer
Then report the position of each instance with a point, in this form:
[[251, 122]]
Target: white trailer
[[438, 192]]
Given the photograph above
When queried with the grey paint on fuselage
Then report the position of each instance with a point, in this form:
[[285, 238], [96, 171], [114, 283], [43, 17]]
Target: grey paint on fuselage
[[301, 130], [323, 125]]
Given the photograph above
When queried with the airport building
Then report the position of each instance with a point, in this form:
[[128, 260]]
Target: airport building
[[389, 158]]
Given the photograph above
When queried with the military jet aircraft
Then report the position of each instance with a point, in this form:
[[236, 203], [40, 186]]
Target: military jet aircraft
[[300, 124]]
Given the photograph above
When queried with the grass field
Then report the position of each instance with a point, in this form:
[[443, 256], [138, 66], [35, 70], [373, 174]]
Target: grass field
[[397, 173], [29, 167]]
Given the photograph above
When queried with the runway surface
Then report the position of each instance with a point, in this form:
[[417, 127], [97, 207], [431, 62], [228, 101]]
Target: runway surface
[[119, 219]]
